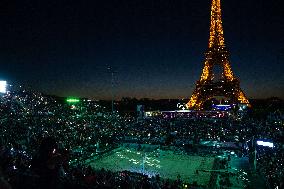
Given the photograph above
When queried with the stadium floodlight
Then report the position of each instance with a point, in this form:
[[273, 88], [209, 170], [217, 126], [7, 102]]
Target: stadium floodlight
[[3, 85], [72, 100], [267, 144]]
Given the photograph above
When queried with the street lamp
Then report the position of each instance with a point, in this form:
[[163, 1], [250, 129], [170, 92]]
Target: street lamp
[[112, 87]]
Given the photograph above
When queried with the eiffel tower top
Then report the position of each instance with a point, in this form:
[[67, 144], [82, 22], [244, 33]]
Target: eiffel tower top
[[216, 38]]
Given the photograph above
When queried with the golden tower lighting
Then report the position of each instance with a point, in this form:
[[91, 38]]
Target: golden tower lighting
[[216, 55]]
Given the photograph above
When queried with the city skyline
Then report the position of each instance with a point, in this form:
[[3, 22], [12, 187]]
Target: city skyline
[[155, 48]]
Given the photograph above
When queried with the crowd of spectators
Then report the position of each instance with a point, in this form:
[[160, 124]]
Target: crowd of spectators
[[270, 165], [43, 138]]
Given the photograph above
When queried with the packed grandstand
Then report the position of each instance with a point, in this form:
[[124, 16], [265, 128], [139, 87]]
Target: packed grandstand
[[50, 143]]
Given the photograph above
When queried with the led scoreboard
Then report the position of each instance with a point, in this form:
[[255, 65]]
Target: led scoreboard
[[3, 85]]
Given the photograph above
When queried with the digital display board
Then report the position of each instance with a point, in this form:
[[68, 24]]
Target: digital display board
[[267, 144], [3, 85], [72, 100]]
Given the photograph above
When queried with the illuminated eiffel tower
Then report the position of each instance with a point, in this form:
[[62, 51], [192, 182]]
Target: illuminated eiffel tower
[[217, 55]]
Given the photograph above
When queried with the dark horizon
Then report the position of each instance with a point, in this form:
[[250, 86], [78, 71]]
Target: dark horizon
[[156, 48], [26, 88]]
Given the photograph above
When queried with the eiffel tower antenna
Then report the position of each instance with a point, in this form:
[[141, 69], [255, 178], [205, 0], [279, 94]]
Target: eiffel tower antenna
[[216, 55], [216, 28]]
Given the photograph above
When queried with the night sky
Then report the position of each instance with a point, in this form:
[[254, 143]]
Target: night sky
[[156, 47]]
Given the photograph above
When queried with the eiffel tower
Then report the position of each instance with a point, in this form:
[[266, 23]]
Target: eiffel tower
[[217, 55]]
